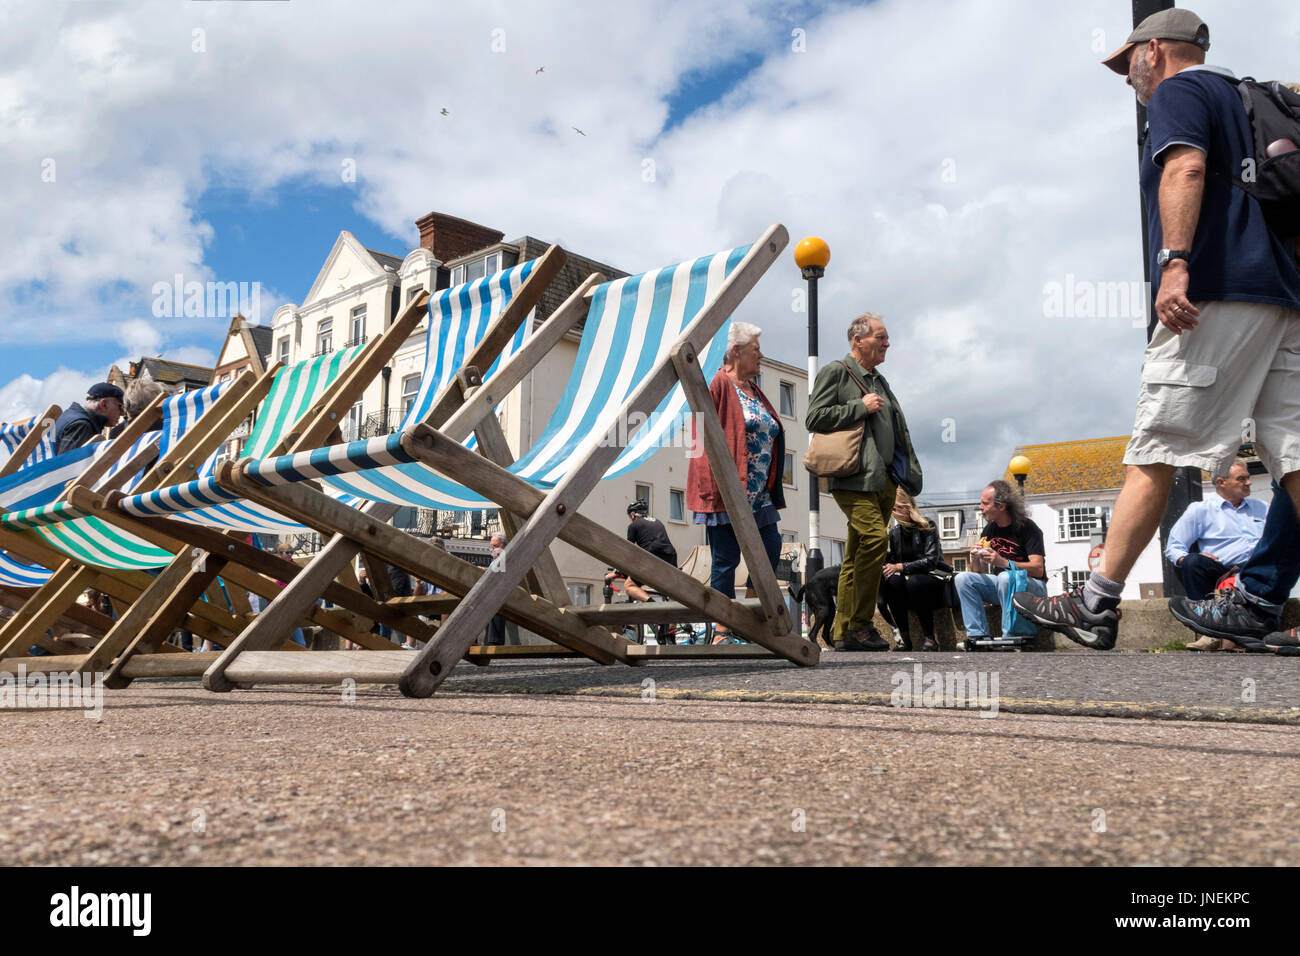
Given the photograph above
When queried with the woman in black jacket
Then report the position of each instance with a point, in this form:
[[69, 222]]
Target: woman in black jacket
[[906, 582]]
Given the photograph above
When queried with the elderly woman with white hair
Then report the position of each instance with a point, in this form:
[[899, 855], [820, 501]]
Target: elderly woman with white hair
[[757, 441]]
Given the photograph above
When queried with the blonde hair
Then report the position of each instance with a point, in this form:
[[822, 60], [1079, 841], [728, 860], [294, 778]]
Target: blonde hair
[[914, 518]]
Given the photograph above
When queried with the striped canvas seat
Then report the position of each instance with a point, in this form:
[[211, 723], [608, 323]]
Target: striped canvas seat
[[631, 325], [30, 494], [13, 433], [94, 541], [459, 319]]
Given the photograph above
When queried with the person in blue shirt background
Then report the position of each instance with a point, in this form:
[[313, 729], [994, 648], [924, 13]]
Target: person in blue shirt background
[[1224, 530]]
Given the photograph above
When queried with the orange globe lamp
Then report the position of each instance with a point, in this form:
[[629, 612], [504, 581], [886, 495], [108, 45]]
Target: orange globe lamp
[[812, 254]]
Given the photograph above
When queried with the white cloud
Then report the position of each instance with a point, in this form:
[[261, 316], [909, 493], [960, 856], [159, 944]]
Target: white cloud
[[956, 157], [25, 396], [139, 338]]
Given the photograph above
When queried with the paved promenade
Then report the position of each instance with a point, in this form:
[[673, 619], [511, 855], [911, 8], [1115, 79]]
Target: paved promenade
[[526, 764]]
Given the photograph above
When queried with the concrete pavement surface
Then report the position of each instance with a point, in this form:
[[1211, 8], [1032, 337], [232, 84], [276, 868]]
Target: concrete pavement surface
[[170, 774], [1256, 688]]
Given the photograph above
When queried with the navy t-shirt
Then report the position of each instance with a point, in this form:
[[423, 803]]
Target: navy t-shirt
[[1234, 255]]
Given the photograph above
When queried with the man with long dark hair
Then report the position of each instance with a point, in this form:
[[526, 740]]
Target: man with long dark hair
[[1009, 540]]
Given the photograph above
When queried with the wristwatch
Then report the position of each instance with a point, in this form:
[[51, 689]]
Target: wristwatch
[[1165, 256]]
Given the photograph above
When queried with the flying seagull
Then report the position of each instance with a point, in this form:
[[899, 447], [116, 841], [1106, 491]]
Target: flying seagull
[[444, 111], [578, 131], [540, 69]]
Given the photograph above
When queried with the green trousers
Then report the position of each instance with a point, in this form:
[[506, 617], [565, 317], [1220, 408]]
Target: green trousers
[[864, 555]]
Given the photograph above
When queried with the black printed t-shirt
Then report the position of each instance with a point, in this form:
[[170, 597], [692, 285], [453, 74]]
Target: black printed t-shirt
[[1014, 544]]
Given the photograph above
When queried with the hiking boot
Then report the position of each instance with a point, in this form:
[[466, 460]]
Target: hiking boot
[[1068, 614], [1230, 615], [1285, 643], [863, 639]]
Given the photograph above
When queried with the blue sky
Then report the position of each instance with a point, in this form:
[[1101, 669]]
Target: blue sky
[[279, 235]]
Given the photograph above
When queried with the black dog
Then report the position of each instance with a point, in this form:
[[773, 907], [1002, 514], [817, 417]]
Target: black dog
[[820, 593]]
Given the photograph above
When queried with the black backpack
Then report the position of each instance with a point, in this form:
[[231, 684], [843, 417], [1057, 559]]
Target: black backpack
[[1273, 111]]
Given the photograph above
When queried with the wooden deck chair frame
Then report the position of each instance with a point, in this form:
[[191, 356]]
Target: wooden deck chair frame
[[164, 602], [548, 516], [132, 655]]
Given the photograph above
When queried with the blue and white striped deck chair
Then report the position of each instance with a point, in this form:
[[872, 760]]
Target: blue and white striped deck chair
[[625, 368], [30, 496], [631, 324], [14, 437], [459, 319]]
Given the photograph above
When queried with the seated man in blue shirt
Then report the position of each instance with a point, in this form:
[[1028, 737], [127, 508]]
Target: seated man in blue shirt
[[1225, 529]]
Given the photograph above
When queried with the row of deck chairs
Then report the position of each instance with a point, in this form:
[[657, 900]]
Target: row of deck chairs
[[159, 523]]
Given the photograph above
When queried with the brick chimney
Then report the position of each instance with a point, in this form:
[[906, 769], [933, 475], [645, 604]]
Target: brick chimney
[[450, 238]]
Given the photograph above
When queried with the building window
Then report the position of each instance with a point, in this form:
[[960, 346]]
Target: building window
[[959, 564], [787, 399], [676, 505], [949, 525], [357, 329], [788, 472], [789, 537], [580, 594], [412, 292], [410, 388], [1079, 578], [352, 427], [642, 493], [834, 551], [1078, 523], [325, 336], [282, 351]]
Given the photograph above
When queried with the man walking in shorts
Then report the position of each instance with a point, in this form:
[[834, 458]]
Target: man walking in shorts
[[1225, 356]]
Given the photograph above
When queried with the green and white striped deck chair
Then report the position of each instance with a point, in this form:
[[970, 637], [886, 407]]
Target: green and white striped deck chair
[[642, 335], [39, 488], [94, 542]]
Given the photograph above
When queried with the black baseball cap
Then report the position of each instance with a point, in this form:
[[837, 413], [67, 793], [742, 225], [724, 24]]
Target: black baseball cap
[[104, 390]]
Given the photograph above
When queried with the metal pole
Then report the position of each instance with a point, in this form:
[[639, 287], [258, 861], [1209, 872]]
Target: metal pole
[[1186, 486], [813, 563]]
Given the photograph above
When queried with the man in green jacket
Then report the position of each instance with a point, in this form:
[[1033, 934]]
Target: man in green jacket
[[845, 393]]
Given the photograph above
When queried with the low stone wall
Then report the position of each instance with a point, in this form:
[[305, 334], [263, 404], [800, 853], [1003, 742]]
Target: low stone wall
[[1144, 624]]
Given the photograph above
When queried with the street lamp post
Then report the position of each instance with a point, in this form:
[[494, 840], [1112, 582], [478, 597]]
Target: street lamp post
[[811, 256]]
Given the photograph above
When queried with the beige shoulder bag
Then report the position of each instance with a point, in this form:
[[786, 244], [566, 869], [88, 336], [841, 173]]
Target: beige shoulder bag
[[837, 454]]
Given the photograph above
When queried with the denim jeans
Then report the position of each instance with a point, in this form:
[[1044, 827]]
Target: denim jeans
[[1271, 571], [725, 550], [974, 589]]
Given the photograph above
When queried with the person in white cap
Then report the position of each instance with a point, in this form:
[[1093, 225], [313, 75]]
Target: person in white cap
[[1226, 355]]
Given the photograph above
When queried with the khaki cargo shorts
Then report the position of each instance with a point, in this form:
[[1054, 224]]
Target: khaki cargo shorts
[[1233, 379]]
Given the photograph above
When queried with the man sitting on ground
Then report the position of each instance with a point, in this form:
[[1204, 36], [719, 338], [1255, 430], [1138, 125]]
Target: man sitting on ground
[[84, 420], [1225, 529], [1009, 538]]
